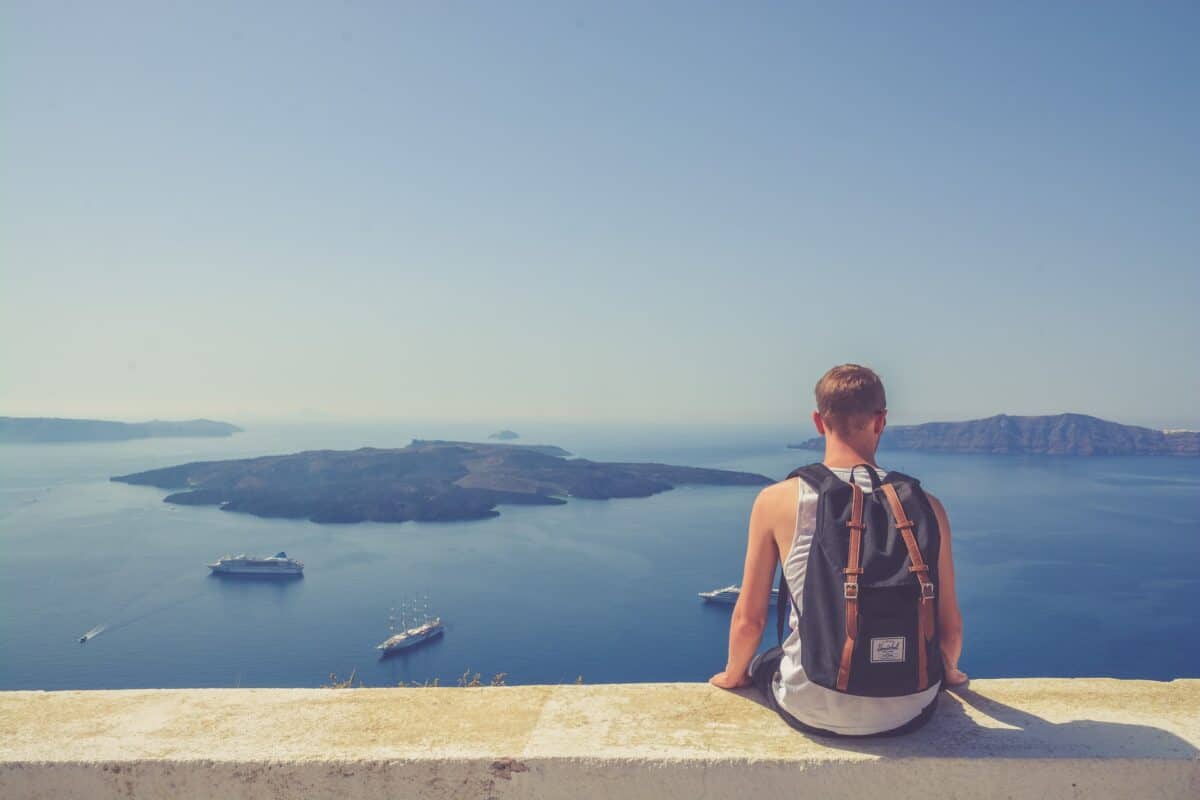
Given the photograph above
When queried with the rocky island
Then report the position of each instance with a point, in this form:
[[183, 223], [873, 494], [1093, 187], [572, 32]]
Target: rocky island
[[505, 435], [1060, 434], [426, 481], [30, 430]]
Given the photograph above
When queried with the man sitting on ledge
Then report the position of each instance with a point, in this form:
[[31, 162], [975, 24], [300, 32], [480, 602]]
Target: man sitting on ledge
[[875, 628]]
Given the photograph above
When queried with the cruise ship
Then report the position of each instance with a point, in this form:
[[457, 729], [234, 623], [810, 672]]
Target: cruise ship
[[729, 595], [242, 564], [406, 637]]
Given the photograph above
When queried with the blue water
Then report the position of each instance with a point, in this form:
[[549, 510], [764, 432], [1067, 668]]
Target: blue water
[[1067, 567]]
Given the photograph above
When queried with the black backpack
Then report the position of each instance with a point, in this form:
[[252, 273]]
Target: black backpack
[[869, 621]]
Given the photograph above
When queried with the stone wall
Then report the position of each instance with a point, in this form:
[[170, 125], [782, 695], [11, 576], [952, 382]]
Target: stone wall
[[1092, 738]]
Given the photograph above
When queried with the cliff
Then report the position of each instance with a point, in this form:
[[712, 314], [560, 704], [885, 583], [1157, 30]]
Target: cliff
[[15, 430], [1060, 434]]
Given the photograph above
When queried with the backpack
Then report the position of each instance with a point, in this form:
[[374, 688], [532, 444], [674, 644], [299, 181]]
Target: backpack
[[868, 626]]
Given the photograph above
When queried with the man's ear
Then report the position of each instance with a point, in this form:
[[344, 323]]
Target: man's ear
[[880, 422], [820, 423]]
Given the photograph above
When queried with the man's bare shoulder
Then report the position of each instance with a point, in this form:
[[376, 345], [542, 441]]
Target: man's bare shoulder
[[778, 492], [777, 501], [939, 511]]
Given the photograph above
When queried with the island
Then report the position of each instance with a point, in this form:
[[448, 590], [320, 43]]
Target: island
[[1058, 434], [425, 481], [505, 435], [32, 430]]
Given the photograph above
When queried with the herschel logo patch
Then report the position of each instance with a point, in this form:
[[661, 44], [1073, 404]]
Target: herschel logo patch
[[887, 649]]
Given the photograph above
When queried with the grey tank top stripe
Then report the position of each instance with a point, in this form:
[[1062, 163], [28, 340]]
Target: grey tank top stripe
[[816, 705]]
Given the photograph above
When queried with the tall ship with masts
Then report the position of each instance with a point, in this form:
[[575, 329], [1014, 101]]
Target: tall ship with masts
[[414, 629]]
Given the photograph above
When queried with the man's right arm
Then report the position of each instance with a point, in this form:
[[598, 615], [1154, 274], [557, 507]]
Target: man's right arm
[[950, 623]]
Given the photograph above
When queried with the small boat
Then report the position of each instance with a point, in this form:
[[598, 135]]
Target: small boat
[[89, 635], [729, 595], [407, 635]]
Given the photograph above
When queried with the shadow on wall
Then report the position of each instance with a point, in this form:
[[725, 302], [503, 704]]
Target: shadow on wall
[[1011, 733]]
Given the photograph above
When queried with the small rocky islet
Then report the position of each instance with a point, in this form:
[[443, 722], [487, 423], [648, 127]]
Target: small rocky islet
[[426, 481]]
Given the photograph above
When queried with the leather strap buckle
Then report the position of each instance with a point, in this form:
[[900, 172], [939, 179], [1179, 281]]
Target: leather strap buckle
[[927, 591], [850, 590]]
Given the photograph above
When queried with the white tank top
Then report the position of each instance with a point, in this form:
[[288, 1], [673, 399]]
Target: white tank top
[[815, 705]]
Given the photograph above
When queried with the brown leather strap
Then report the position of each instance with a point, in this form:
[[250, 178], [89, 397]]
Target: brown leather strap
[[925, 617], [850, 587]]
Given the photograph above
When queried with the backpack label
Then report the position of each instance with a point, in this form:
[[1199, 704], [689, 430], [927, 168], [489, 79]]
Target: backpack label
[[887, 649]]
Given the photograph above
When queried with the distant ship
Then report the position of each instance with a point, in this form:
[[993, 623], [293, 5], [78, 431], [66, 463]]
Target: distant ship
[[410, 636], [729, 594], [278, 564], [91, 634]]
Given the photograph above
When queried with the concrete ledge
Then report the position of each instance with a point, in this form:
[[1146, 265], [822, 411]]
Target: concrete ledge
[[1003, 738]]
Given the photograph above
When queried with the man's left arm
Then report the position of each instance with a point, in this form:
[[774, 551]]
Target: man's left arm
[[750, 614]]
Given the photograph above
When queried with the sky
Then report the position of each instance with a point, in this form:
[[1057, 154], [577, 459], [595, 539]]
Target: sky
[[660, 212]]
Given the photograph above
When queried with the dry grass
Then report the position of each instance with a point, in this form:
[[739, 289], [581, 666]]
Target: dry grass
[[467, 680], [334, 683]]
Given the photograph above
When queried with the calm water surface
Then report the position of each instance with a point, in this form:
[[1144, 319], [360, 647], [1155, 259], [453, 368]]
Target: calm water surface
[[1067, 567]]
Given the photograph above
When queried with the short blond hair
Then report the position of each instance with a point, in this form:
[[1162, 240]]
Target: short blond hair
[[848, 396]]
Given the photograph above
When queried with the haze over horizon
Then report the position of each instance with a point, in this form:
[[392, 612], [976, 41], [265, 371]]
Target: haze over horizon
[[682, 213]]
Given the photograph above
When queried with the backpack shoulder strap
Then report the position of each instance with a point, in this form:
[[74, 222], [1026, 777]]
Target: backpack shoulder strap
[[815, 475], [781, 605], [899, 477]]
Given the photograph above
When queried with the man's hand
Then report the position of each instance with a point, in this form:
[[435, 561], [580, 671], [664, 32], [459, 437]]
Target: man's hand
[[723, 680], [954, 677]]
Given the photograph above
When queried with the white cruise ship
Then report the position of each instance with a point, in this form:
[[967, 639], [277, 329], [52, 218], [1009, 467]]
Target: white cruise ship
[[242, 564], [406, 637], [729, 595]]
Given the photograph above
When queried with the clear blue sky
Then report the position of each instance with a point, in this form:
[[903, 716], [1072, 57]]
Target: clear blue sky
[[598, 211]]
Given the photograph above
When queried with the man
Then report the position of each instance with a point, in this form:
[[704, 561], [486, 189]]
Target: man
[[872, 683]]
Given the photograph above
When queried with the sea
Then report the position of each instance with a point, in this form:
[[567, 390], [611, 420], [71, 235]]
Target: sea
[[1066, 566]]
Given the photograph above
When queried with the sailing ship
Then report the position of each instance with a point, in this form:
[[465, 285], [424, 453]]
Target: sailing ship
[[410, 633]]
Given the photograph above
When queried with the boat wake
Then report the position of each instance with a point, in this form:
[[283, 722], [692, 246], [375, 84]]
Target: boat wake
[[164, 596]]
